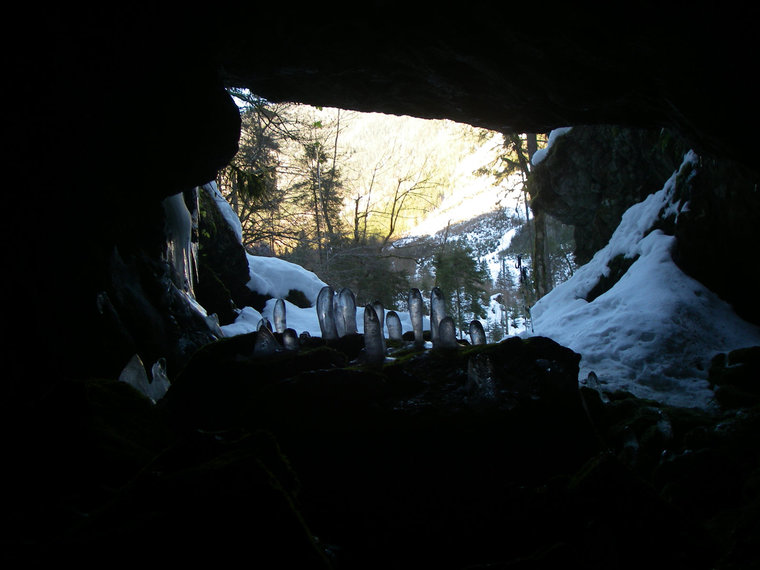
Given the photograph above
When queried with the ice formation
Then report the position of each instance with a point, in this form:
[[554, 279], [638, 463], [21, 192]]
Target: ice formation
[[373, 337], [179, 251], [265, 343], [290, 339], [326, 313], [393, 322], [437, 312], [346, 314], [280, 323], [135, 375], [477, 333], [447, 333], [415, 313]]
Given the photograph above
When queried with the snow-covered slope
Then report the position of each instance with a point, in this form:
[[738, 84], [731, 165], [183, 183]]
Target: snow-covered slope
[[654, 332]]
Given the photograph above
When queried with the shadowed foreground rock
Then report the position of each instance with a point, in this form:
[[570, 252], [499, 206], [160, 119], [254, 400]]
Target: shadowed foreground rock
[[486, 456]]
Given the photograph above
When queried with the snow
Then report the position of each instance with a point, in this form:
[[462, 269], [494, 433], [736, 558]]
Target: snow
[[654, 332], [276, 277], [540, 154]]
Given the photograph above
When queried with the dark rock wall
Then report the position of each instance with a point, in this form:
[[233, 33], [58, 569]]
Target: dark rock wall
[[111, 109], [593, 174], [718, 233], [222, 265]]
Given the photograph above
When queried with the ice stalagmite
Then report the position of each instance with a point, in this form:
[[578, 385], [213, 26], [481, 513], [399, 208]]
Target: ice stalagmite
[[340, 328], [380, 312], [415, 314], [290, 339], [447, 333], [279, 316], [265, 343], [437, 312], [393, 322], [325, 313], [347, 304], [477, 334], [373, 337]]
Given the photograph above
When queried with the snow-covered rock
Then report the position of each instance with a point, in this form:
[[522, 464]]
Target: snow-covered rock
[[655, 330]]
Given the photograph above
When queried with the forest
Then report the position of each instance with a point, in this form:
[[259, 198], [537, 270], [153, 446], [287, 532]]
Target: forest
[[352, 197]]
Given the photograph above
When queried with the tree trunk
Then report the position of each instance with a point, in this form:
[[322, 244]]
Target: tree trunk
[[541, 279]]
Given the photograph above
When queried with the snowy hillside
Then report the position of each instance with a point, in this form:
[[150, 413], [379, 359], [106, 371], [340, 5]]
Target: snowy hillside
[[654, 332]]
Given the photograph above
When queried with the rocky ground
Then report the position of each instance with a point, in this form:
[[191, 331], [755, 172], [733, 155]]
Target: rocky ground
[[478, 457]]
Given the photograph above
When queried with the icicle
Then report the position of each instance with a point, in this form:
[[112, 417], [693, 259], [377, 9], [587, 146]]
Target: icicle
[[347, 314], [265, 343], [290, 339], [279, 316], [325, 313], [477, 334], [415, 313], [393, 322], [447, 333], [437, 312], [179, 251], [373, 338]]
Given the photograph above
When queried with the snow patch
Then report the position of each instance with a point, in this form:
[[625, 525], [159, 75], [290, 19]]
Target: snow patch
[[541, 153], [654, 332], [276, 277], [225, 209]]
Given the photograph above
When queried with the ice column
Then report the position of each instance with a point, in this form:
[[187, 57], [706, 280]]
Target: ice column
[[415, 313], [477, 334], [279, 316], [394, 325], [325, 313], [373, 337]]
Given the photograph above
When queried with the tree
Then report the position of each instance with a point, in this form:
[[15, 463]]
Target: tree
[[251, 182], [463, 282], [517, 158]]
